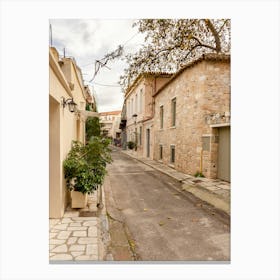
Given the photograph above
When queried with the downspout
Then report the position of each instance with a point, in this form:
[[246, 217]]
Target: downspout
[[153, 98]]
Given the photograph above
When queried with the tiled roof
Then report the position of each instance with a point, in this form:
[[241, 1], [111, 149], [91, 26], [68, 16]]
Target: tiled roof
[[110, 113], [144, 75]]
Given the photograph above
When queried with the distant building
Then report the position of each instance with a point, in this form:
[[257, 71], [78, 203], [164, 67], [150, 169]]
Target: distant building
[[139, 110], [110, 122]]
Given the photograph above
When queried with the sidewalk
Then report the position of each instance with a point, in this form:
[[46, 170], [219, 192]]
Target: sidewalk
[[213, 191], [81, 235]]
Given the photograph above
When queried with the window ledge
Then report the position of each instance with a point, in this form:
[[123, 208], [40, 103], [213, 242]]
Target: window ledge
[[171, 165], [172, 127]]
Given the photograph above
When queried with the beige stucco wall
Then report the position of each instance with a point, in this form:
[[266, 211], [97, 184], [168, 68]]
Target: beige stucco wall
[[63, 128], [147, 86], [200, 90]]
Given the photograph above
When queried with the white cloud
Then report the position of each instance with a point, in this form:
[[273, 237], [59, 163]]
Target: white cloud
[[90, 39]]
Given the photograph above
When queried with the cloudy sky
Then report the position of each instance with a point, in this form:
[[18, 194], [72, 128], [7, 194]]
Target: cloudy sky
[[88, 40]]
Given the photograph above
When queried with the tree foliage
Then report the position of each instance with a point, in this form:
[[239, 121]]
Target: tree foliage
[[171, 43], [93, 127]]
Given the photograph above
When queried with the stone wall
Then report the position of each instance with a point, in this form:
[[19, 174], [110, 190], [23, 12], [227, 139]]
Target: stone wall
[[202, 93]]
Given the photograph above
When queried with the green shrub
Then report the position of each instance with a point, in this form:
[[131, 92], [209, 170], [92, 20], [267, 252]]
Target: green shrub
[[199, 174], [131, 145], [85, 165]]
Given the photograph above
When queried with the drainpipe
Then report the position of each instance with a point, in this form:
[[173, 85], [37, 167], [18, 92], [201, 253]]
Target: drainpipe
[[201, 159]]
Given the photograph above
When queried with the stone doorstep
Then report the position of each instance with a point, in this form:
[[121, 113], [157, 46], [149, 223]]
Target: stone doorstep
[[66, 220], [71, 214]]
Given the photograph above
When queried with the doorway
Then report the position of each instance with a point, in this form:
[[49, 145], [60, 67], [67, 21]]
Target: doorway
[[224, 154]]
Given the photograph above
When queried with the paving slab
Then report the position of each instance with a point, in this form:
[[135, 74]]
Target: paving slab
[[74, 238]]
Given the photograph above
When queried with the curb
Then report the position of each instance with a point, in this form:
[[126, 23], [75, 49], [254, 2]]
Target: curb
[[197, 190], [104, 228], [208, 196]]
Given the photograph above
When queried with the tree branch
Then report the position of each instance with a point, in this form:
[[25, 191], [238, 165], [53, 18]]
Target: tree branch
[[203, 45], [223, 26], [210, 25]]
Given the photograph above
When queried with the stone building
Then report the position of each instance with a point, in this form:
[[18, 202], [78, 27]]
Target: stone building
[[67, 116], [139, 109], [192, 118], [110, 122]]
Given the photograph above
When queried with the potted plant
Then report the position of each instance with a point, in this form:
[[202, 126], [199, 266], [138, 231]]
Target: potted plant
[[85, 169], [131, 145]]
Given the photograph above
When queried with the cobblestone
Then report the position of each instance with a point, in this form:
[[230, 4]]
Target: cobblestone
[[77, 248], [80, 233], [92, 232], [87, 240], [60, 249], [77, 228], [73, 238], [89, 224], [62, 257], [64, 234], [75, 224]]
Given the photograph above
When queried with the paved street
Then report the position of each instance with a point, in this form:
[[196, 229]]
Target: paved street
[[160, 222]]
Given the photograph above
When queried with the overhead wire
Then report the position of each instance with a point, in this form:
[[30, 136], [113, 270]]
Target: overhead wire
[[125, 43]]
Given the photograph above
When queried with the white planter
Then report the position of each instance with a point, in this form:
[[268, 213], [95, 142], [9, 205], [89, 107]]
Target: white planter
[[78, 199]]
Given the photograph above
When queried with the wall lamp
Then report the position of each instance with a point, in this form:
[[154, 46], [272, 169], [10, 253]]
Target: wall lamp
[[134, 117], [71, 104]]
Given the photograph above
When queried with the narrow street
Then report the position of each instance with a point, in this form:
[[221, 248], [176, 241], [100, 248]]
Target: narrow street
[[160, 223]]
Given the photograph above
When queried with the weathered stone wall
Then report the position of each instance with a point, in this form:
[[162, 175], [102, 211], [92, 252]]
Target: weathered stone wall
[[202, 91]]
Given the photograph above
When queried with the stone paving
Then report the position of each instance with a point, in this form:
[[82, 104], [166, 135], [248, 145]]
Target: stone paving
[[75, 238]]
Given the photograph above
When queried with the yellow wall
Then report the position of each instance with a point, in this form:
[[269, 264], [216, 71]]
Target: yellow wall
[[63, 127]]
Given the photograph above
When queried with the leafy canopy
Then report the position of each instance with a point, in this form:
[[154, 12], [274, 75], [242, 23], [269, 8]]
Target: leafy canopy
[[171, 43]]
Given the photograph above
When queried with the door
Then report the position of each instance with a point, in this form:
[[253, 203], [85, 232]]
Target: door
[[224, 154], [55, 178], [148, 142]]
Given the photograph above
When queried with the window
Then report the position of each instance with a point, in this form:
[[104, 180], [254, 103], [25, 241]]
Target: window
[[136, 103], [160, 151], [172, 154], [140, 100], [128, 108], [140, 135], [161, 116], [173, 112], [131, 112]]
